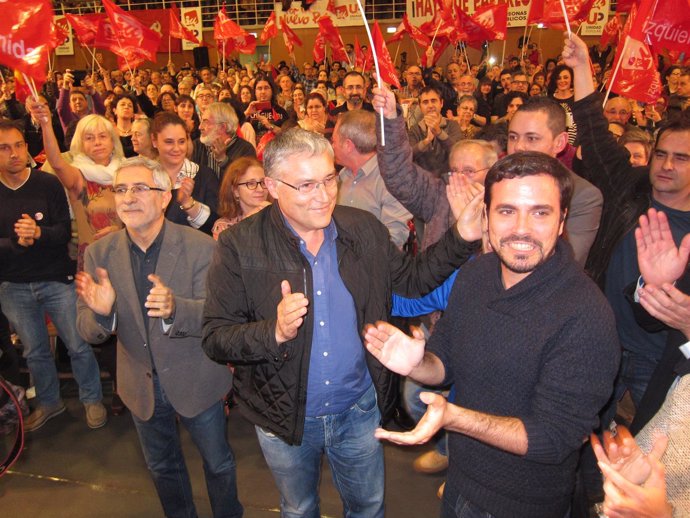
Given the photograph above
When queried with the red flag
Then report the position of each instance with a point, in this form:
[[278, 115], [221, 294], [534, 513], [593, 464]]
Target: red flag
[[440, 45], [493, 18], [319, 50], [552, 12], [637, 77], [415, 33], [289, 36], [668, 24], [386, 67], [179, 31], [471, 31], [330, 32], [224, 28], [624, 6], [124, 64], [85, 26], [363, 60], [330, 7], [438, 26], [22, 91], [399, 32], [59, 32], [133, 37], [245, 44], [24, 27], [270, 29], [611, 31]]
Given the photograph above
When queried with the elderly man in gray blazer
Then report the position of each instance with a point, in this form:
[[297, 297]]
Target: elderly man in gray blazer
[[147, 284]]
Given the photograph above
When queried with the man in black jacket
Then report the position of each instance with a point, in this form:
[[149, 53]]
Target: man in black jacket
[[290, 290]]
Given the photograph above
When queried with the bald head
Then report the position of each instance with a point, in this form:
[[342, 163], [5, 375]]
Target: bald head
[[618, 110]]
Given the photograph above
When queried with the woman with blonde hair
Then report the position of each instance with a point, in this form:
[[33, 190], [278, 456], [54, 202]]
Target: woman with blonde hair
[[242, 193]]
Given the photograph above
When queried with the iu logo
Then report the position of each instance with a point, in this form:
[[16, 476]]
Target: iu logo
[[637, 56]]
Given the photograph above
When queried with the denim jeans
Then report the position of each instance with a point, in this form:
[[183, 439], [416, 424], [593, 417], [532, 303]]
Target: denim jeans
[[354, 455], [25, 305], [160, 442], [417, 408]]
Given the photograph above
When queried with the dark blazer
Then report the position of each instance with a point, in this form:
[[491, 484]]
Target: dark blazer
[[190, 380]]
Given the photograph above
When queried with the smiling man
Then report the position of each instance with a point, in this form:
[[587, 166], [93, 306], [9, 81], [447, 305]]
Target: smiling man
[[292, 288], [531, 345], [147, 285]]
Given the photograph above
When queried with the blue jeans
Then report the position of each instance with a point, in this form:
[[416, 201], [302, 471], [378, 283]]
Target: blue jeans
[[354, 455], [25, 305], [417, 408], [160, 442]]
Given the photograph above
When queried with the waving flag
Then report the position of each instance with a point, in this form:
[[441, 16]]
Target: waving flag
[[270, 29], [289, 36], [85, 26], [668, 23], [493, 18], [179, 31], [134, 39], [611, 31], [415, 33], [386, 67], [24, 27], [550, 12], [471, 31], [332, 36]]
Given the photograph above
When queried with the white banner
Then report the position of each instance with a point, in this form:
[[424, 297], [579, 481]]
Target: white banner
[[67, 48], [420, 11], [191, 19], [598, 16], [346, 14]]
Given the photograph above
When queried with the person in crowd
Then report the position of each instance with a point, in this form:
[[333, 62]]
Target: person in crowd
[[141, 138], [361, 185], [124, 111], [317, 118], [194, 187], [679, 101], [618, 109], [671, 78], [434, 136], [286, 86], [355, 94], [152, 92], [510, 434], [264, 113], [513, 102], [299, 107], [156, 270], [482, 115], [219, 144], [205, 95], [287, 281], [33, 133], [186, 110], [467, 107], [37, 279], [166, 102], [639, 145], [73, 104], [242, 193], [246, 95], [561, 89]]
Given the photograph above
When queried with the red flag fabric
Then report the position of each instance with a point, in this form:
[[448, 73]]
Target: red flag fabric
[[440, 45], [270, 29], [363, 60], [245, 44], [611, 31], [624, 6], [668, 24], [330, 7], [179, 31], [319, 50], [59, 32], [124, 64], [332, 35], [471, 31], [133, 37], [21, 89], [550, 12], [637, 76], [289, 36], [24, 26], [224, 28], [399, 32], [438, 26], [415, 33], [85, 26], [386, 67], [493, 18]]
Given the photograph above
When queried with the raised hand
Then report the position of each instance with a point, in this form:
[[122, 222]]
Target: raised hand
[[161, 300], [431, 422], [291, 311], [393, 348], [668, 304], [384, 99], [184, 192], [469, 221], [460, 191], [99, 296], [659, 259]]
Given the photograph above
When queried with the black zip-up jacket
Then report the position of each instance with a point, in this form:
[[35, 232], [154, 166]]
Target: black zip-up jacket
[[251, 260], [626, 189]]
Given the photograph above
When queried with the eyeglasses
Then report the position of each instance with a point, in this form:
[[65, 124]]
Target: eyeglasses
[[253, 184], [136, 189], [468, 171], [309, 187]]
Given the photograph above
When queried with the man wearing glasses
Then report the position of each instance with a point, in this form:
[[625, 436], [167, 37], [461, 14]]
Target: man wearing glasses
[[293, 287], [147, 285], [355, 94]]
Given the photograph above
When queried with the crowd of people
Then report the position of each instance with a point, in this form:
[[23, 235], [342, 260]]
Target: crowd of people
[[253, 217]]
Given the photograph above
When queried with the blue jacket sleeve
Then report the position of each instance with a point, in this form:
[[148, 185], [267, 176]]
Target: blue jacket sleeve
[[437, 300]]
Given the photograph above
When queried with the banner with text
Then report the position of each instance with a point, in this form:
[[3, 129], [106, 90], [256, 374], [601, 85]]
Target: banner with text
[[420, 11], [598, 17], [346, 14], [191, 19], [67, 48]]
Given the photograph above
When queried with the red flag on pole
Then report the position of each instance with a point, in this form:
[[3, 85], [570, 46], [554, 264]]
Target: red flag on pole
[[611, 32], [399, 32], [637, 77], [58, 33], [493, 18], [415, 33], [133, 37], [24, 27], [386, 67], [85, 26], [224, 28], [668, 24], [332, 35], [471, 31], [289, 36], [319, 50], [550, 12], [270, 29], [364, 61], [179, 31]]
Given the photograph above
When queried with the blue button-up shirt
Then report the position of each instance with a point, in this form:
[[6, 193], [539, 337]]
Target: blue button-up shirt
[[338, 374]]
